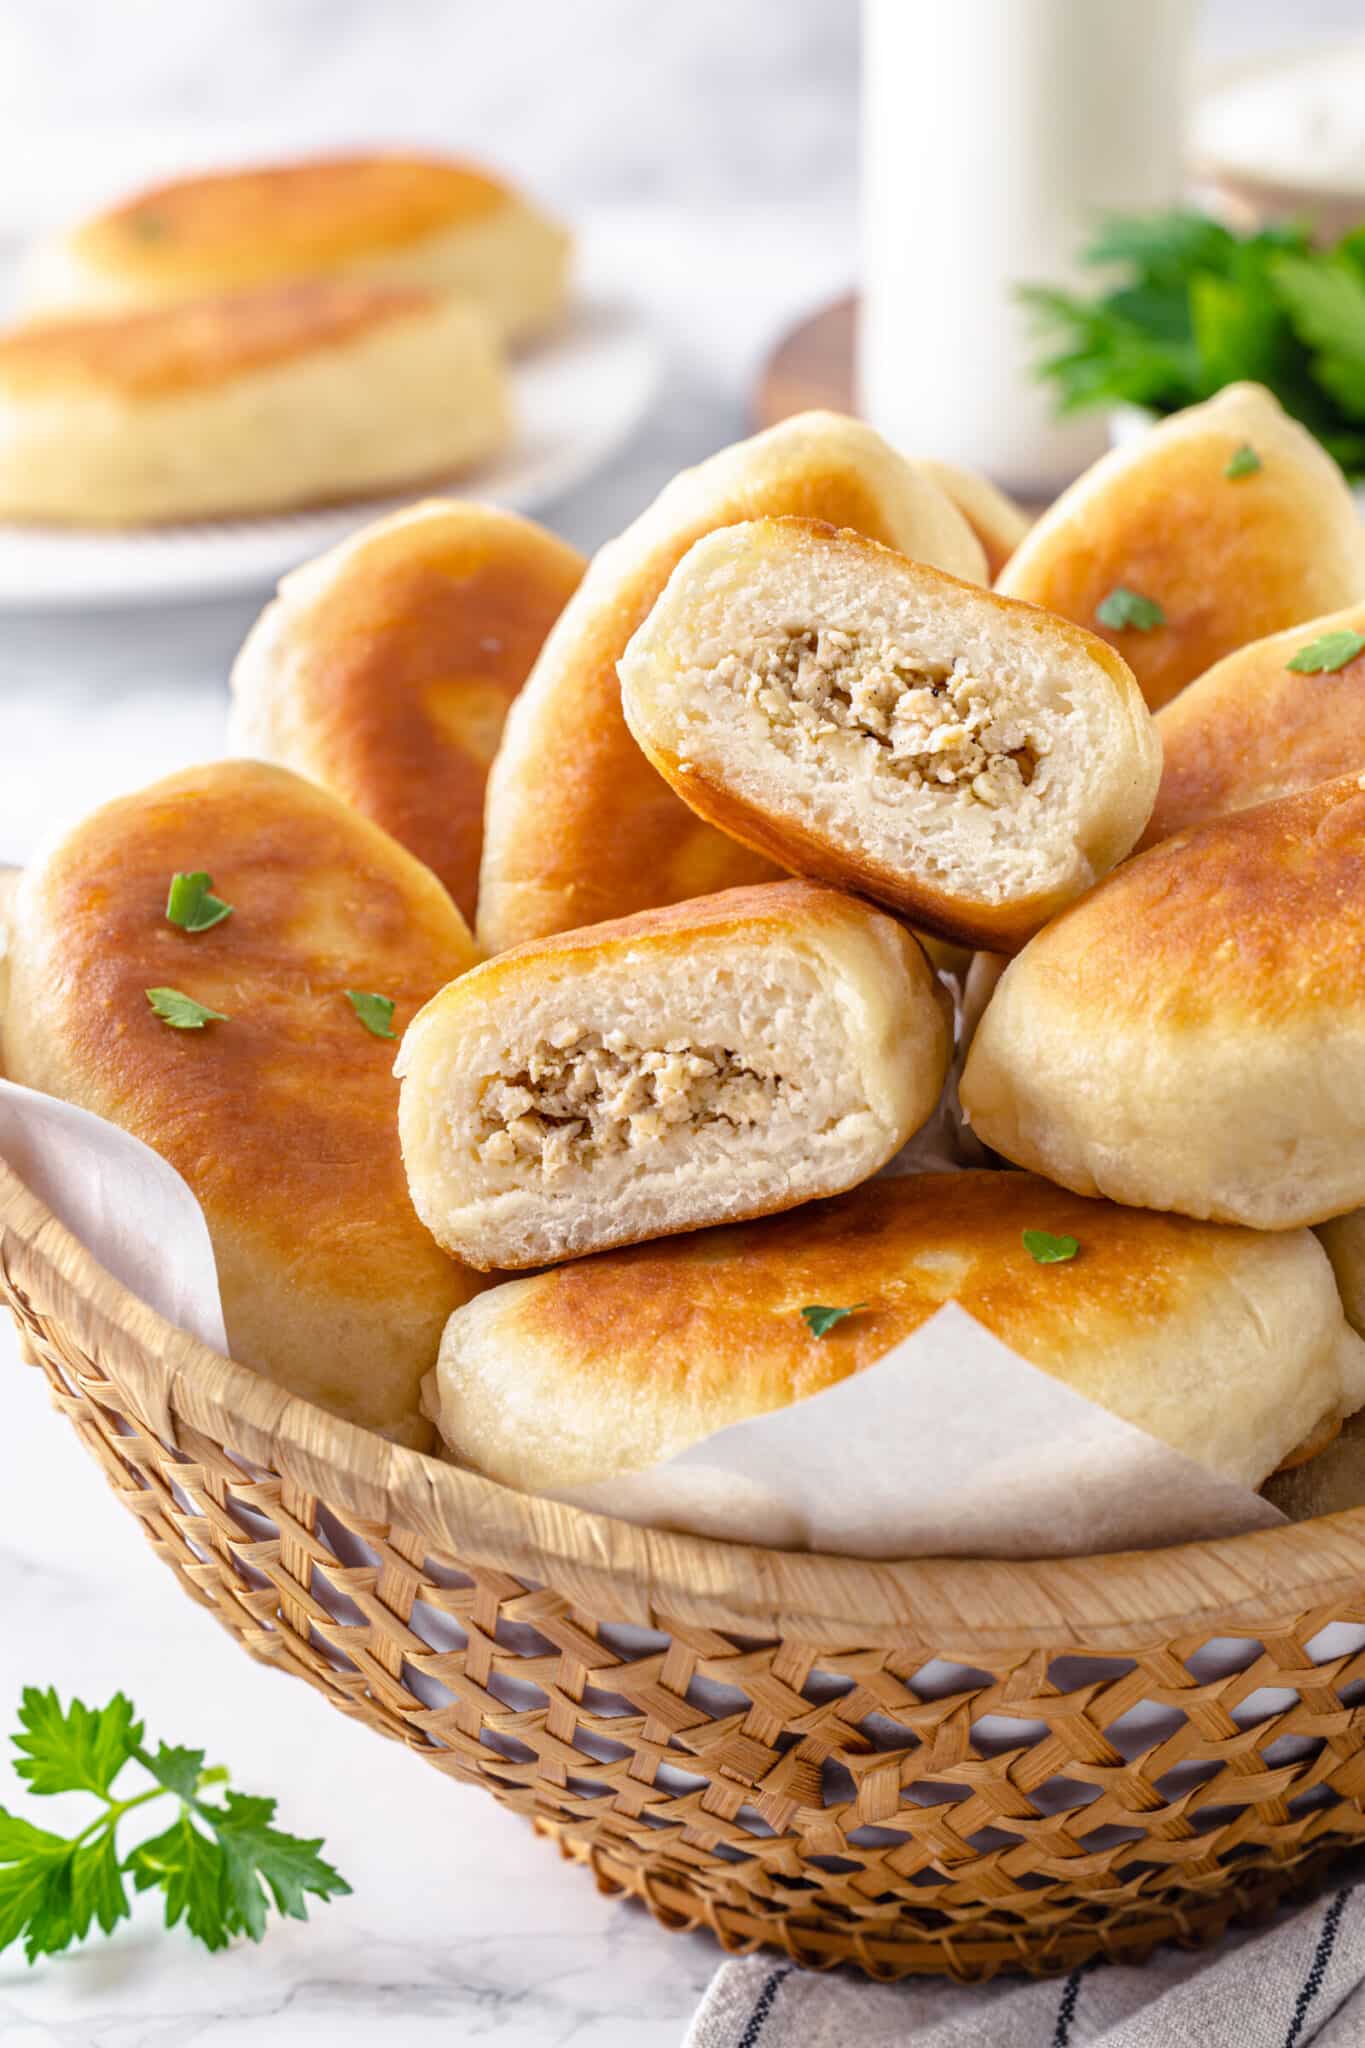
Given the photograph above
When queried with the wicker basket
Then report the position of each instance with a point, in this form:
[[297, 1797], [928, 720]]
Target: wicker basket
[[935, 1766]]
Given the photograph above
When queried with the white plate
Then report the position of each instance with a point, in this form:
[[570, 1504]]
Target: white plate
[[578, 396]]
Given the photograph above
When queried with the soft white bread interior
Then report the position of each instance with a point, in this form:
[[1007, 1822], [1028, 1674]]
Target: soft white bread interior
[[860, 717], [1228, 1345], [604, 836], [726, 1057]]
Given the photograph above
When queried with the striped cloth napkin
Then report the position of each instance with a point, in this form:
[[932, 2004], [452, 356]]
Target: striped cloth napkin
[[1298, 1981]]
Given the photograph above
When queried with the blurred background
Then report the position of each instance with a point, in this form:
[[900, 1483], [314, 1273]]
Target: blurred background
[[601, 101], [707, 157]]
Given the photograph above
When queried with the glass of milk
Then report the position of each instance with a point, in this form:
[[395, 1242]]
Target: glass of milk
[[995, 133]]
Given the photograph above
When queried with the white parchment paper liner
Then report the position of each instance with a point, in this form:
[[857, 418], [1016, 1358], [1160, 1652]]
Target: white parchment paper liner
[[950, 1445]]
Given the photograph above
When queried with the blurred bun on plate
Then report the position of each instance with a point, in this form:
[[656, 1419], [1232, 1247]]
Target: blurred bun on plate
[[1190, 1036], [385, 668], [1253, 728], [1176, 562], [251, 402], [428, 222], [726, 1057], [579, 826], [281, 1112], [969, 762], [998, 523], [1228, 1345]]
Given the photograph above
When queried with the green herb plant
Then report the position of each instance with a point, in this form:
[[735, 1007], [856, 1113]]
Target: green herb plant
[[220, 1865], [1189, 306]]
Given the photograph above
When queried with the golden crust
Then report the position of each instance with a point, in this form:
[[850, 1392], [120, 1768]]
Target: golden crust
[[751, 909], [386, 670], [1190, 1036], [1252, 729], [608, 836], [197, 344], [1227, 561], [1261, 912], [1002, 927], [283, 1120], [1224, 1343], [231, 228], [729, 1302]]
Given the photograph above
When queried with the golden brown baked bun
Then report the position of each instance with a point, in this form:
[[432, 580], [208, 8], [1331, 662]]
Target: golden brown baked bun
[[1253, 728], [725, 1057], [385, 669], [998, 523], [979, 985], [1228, 1345], [427, 221], [1227, 560], [250, 402], [969, 762], [1343, 1239], [283, 1117], [579, 827], [1191, 1035]]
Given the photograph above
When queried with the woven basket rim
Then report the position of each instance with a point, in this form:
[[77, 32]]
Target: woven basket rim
[[642, 1576]]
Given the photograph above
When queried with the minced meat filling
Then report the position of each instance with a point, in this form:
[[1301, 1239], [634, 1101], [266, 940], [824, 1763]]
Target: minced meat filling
[[582, 1094], [935, 723]]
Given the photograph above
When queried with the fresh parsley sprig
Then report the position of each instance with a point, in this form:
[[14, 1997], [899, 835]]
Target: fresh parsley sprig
[[191, 903], [1329, 654], [820, 1320], [374, 1011], [220, 1864], [1048, 1249], [1191, 306], [1123, 608], [182, 1012]]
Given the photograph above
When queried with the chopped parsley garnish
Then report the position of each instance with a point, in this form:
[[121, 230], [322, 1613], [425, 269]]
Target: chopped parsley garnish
[[1325, 656], [375, 1012], [182, 1012], [821, 1320], [1123, 608], [1244, 461], [1046, 1250], [192, 905]]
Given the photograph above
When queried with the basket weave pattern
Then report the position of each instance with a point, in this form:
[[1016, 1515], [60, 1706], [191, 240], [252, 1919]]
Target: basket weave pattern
[[909, 1795]]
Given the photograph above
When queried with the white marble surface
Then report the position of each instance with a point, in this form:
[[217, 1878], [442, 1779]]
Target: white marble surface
[[463, 1927]]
